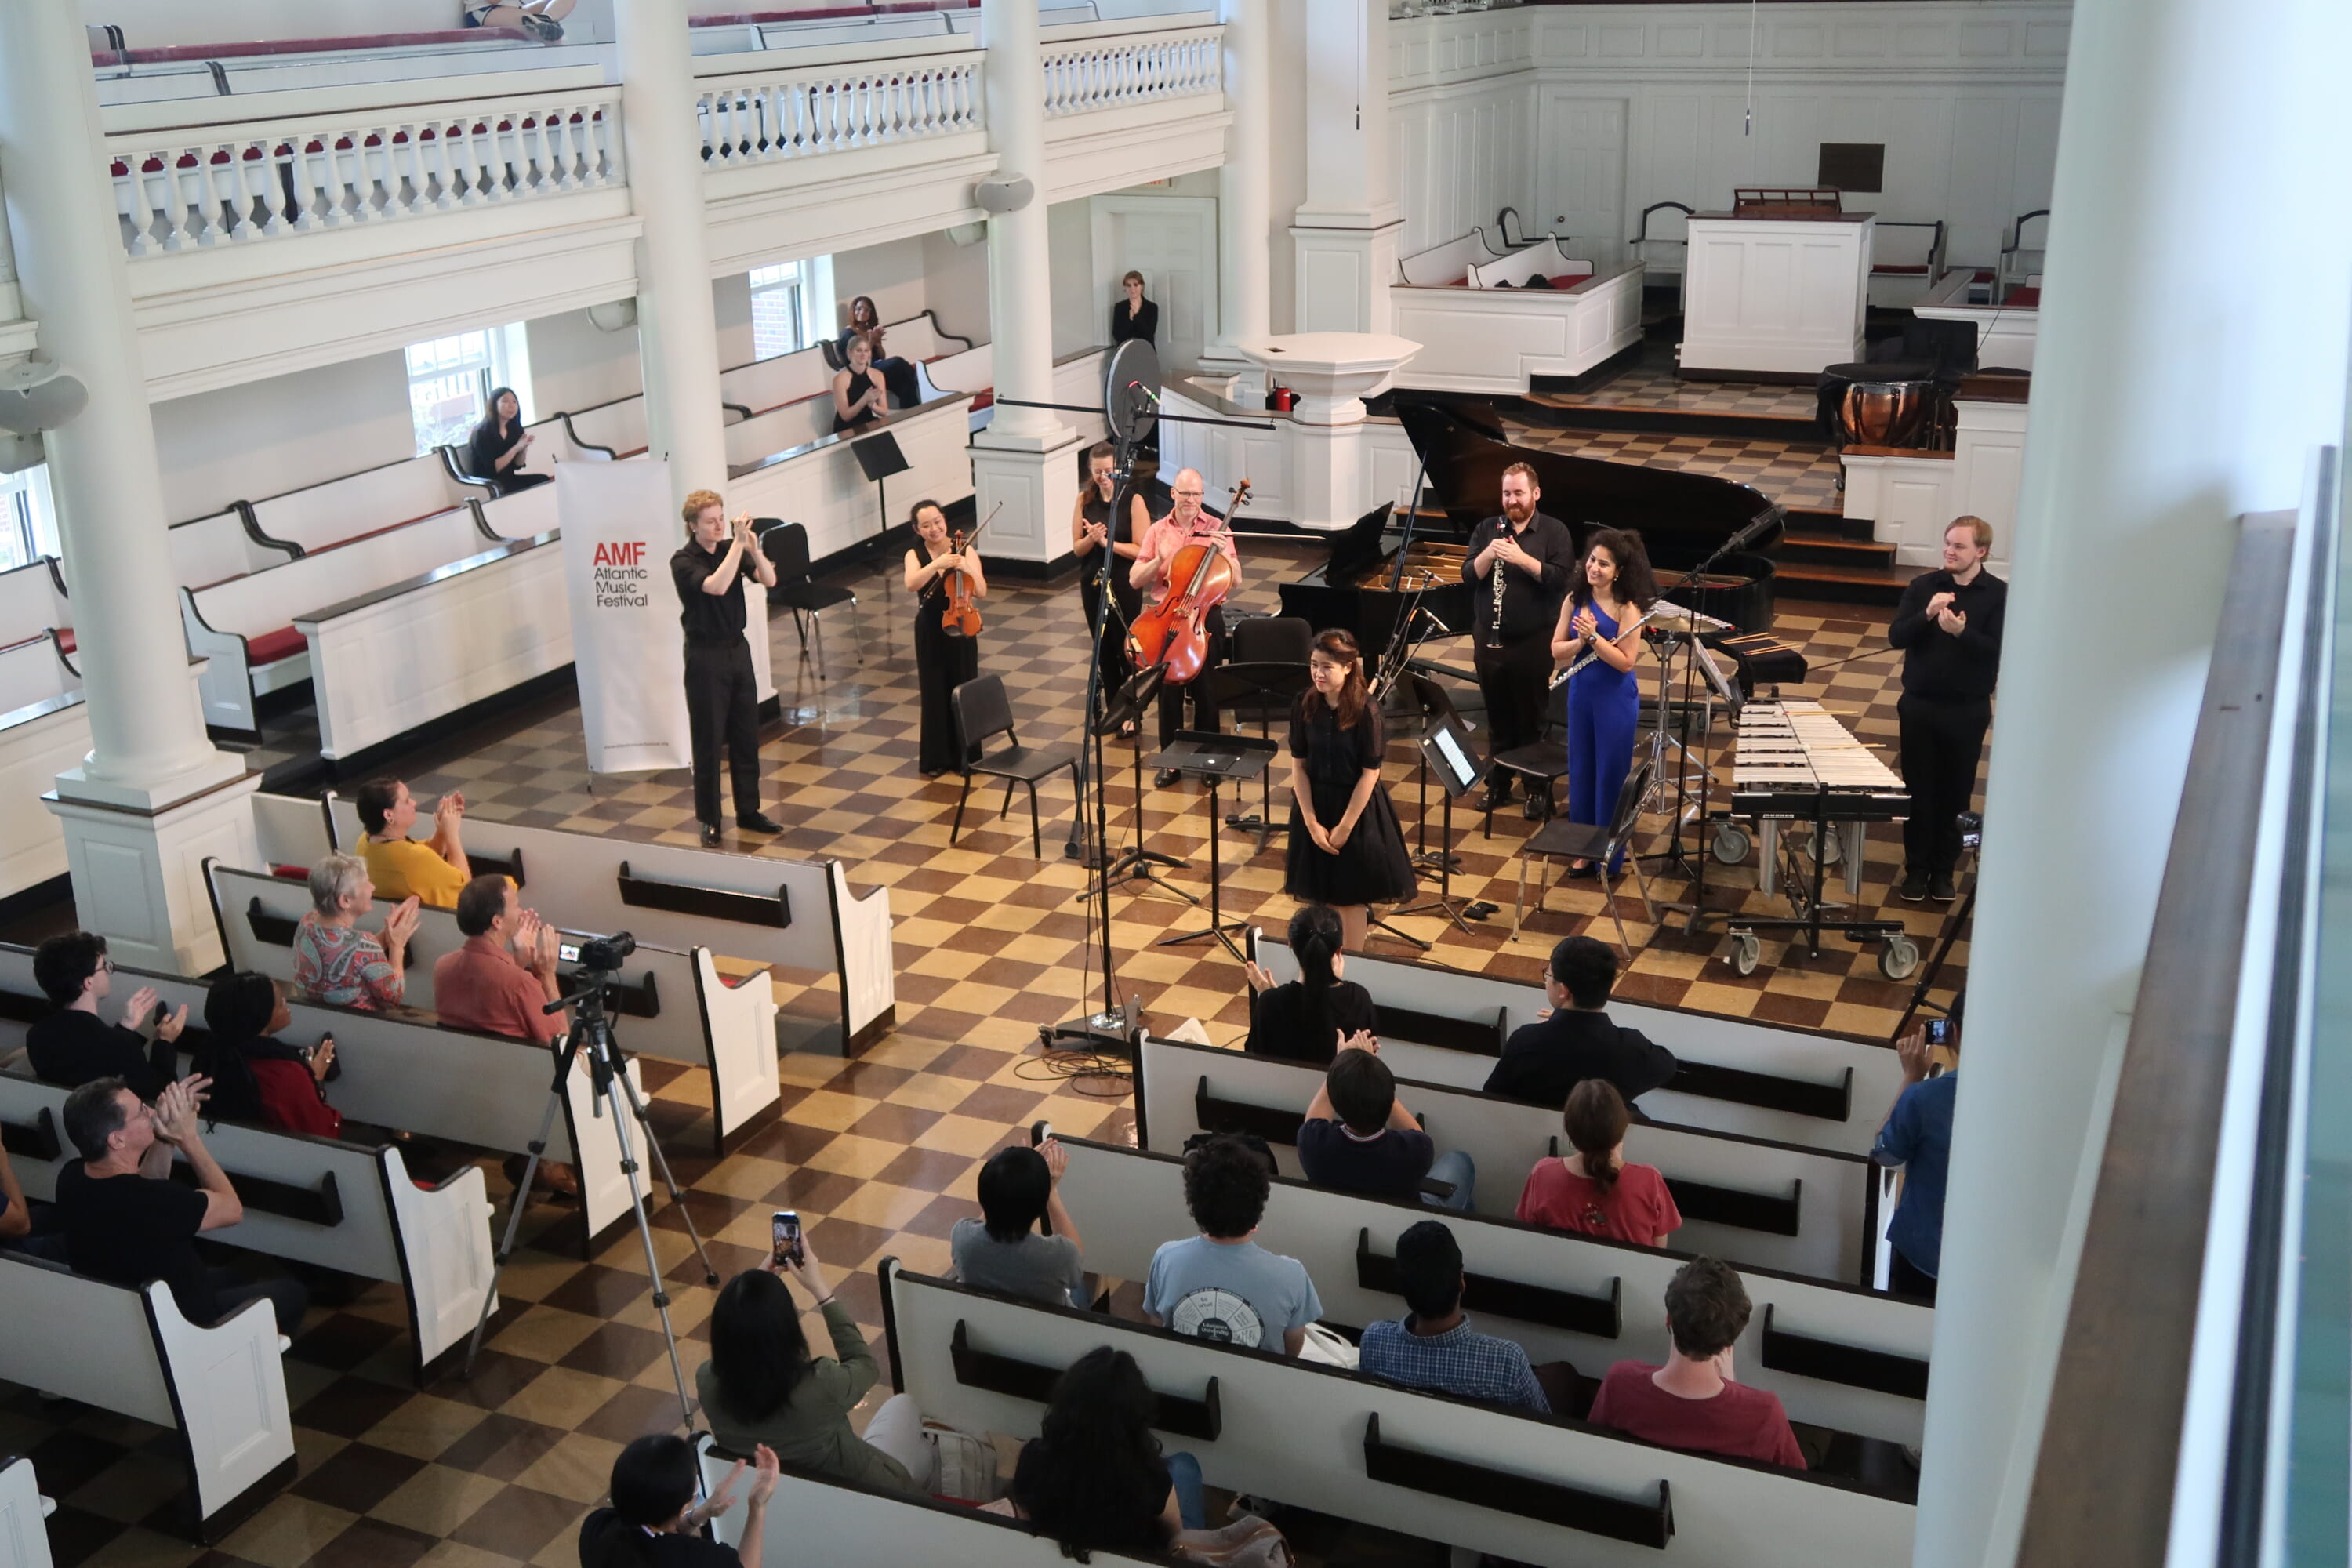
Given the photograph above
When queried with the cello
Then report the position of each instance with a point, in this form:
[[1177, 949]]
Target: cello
[[1170, 636]]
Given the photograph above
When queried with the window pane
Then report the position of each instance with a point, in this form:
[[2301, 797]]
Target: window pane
[[445, 384]]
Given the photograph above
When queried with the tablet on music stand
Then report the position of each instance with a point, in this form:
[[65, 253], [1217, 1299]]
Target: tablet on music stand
[[1453, 757]]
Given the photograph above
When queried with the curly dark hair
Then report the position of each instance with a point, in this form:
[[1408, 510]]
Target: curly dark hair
[[1635, 585], [1226, 1185], [1094, 1478]]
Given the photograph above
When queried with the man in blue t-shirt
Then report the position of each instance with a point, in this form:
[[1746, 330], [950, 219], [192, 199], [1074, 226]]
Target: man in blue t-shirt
[[1359, 1138], [1219, 1285], [1917, 1136]]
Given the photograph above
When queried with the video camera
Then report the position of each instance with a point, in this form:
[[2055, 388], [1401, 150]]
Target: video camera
[[607, 952], [1971, 824]]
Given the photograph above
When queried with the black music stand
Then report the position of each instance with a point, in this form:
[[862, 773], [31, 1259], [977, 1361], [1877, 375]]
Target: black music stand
[[1446, 748], [1216, 759], [1127, 704], [879, 458], [1260, 689], [1422, 703]]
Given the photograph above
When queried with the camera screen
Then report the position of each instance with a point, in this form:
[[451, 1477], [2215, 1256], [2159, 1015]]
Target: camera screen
[[569, 952]]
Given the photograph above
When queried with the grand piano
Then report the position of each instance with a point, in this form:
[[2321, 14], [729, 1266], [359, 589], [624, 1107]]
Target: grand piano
[[1682, 519]]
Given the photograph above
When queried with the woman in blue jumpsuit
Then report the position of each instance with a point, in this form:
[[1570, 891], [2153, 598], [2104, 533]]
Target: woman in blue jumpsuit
[[1611, 590]]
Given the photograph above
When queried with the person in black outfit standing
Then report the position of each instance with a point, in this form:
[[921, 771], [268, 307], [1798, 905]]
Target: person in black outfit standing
[[722, 694], [943, 660], [1537, 555], [1543, 1060], [1346, 848], [1135, 316], [1948, 628], [499, 444], [1090, 531]]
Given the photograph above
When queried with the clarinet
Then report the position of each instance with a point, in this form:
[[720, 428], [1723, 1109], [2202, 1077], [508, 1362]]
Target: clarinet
[[1494, 636]]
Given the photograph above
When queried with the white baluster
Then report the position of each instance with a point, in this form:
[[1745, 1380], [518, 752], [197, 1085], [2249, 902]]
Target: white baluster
[[300, 163], [262, 159], [226, 166], [133, 183], [444, 169], [347, 184]]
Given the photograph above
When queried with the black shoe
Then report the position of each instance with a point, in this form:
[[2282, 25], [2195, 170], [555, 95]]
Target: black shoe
[[1940, 888], [1498, 794], [759, 822], [710, 836], [1165, 777], [1913, 887], [1538, 806]]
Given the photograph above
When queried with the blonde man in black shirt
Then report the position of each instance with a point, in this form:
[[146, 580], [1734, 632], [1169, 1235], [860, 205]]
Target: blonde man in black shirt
[[722, 694], [1949, 626]]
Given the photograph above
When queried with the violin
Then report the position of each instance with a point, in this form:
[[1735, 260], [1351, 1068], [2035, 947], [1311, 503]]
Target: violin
[[960, 616], [1171, 637]]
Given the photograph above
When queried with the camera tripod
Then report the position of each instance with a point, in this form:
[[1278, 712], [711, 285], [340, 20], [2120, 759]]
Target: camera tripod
[[594, 1030]]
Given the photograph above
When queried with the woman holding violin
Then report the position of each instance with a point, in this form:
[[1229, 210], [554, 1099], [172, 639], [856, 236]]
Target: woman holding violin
[[1190, 526], [945, 576]]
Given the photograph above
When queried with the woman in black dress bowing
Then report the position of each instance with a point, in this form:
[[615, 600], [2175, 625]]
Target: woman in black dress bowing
[[942, 661], [1346, 848]]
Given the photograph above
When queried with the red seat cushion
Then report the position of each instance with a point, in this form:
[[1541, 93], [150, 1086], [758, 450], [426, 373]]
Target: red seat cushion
[[291, 873], [271, 647], [65, 640], [984, 398]]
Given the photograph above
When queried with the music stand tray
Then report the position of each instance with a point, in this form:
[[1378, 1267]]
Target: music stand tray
[[1259, 690], [1217, 760]]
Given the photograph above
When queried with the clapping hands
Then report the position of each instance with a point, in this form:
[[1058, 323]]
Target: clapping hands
[[401, 923]]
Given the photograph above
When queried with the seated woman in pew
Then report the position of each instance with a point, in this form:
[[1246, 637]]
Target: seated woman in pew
[[499, 445], [1094, 1478], [761, 1385], [257, 1078], [1593, 1191], [652, 1520], [896, 373], [860, 397], [334, 960], [1305, 1019]]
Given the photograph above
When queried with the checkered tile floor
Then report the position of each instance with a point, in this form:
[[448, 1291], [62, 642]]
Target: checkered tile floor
[[1652, 384], [1800, 475], [878, 1153]]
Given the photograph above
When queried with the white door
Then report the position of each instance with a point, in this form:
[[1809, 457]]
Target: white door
[[1172, 241], [1583, 194]]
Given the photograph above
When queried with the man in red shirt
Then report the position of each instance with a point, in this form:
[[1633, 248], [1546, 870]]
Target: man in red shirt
[[1190, 522], [1691, 1402], [505, 973]]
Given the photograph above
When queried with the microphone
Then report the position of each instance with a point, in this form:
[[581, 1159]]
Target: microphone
[[1139, 386]]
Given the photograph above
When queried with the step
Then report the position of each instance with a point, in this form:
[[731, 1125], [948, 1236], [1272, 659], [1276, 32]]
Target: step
[[1828, 524], [1831, 549], [1841, 584], [1542, 408]]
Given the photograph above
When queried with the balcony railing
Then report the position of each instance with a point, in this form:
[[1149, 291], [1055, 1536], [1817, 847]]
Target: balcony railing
[[265, 181], [801, 113], [1113, 73]]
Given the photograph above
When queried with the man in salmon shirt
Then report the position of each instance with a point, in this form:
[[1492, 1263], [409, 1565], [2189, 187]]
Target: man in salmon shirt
[[1691, 1402]]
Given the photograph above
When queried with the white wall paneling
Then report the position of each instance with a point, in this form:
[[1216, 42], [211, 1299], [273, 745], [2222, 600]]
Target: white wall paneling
[[1912, 497], [823, 487], [1498, 340], [1779, 295], [1172, 241], [1383, 466]]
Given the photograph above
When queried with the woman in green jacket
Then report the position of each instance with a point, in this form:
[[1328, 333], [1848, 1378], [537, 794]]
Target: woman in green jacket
[[761, 1385]]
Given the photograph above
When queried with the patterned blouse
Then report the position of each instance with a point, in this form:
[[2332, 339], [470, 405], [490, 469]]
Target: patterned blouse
[[342, 966]]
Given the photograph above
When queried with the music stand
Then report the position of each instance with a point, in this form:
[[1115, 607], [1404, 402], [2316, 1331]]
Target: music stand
[[1215, 759], [1260, 688], [1421, 701], [1447, 751], [879, 458]]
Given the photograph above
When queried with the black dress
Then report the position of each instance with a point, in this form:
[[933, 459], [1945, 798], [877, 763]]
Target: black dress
[[1372, 866], [1116, 667], [870, 413], [943, 663], [484, 452], [1143, 323]]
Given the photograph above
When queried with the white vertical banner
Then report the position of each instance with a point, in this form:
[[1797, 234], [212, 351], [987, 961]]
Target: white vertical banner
[[619, 533]]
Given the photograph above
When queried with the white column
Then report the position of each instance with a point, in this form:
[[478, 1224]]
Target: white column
[[2156, 418], [678, 332], [1344, 235], [1025, 458], [1244, 205], [152, 779]]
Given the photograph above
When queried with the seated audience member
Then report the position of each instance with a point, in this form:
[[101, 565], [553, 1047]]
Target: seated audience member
[[1917, 1136], [15, 1218], [125, 1220], [898, 374], [73, 1045], [256, 1079], [1691, 1402], [1359, 1138], [334, 960], [1305, 1019], [761, 1385], [1594, 1191], [652, 1520], [1433, 1346], [1003, 1251], [1094, 1478], [859, 396], [432, 871], [1545, 1059], [1221, 1285], [502, 977], [542, 19], [499, 444]]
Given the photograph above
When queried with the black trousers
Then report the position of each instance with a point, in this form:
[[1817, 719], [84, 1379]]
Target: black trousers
[[1204, 707], [1513, 680], [1941, 742], [722, 708], [898, 377], [1905, 1279]]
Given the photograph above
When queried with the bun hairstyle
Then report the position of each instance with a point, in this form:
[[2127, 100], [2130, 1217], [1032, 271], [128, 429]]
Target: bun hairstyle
[[1635, 585], [1315, 937], [1340, 644], [1595, 1121]]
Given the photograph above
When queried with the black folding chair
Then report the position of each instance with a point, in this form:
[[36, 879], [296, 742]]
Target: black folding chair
[[981, 710], [1560, 839], [786, 546], [1540, 762]]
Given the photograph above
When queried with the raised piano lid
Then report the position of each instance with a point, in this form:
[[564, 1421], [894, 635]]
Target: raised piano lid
[[1356, 548], [1683, 517]]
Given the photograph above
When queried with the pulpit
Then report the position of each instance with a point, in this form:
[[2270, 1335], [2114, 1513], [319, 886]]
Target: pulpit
[[1775, 289]]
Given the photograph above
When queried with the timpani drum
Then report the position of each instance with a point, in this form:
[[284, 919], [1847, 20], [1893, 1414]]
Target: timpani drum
[[1888, 413]]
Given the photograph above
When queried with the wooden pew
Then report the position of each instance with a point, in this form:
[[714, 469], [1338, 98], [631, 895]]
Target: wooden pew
[[483, 1089], [371, 501], [1749, 1200], [1814, 1086], [1538, 1490], [1496, 340], [33, 603], [669, 1005], [290, 830], [322, 1201], [788, 465], [1448, 266], [797, 915], [221, 1389], [44, 730], [23, 1534], [1841, 1357], [819, 1519], [209, 550]]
